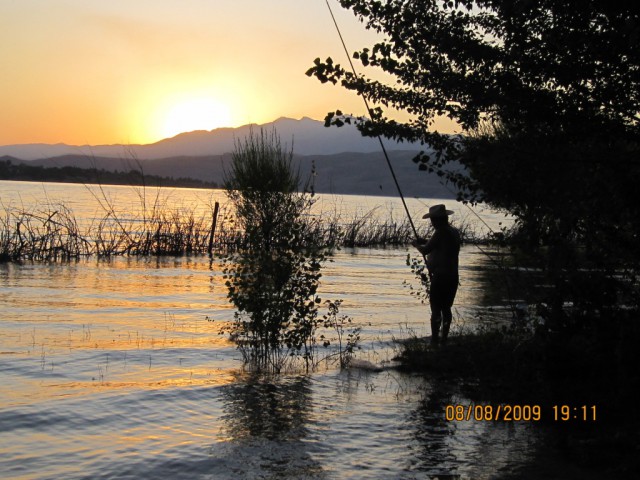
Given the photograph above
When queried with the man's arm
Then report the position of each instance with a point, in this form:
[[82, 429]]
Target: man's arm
[[425, 247]]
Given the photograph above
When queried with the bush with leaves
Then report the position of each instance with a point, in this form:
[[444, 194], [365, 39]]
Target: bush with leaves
[[547, 96], [273, 279], [347, 339], [419, 270]]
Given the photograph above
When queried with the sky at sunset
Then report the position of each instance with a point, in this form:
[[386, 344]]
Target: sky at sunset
[[136, 71]]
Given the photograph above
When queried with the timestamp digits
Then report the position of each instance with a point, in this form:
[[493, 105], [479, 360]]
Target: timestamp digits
[[518, 413], [493, 413], [565, 413]]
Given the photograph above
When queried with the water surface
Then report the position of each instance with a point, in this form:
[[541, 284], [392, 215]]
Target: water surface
[[116, 369]]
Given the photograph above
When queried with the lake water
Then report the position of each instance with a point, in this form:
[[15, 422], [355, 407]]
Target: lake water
[[116, 368]]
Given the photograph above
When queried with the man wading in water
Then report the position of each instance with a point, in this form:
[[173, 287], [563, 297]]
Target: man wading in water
[[442, 263]]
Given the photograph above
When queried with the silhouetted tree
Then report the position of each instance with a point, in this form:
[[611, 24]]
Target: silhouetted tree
[[546, 94]]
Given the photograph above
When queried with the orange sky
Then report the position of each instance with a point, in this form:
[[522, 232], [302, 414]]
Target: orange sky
[[121, 71]]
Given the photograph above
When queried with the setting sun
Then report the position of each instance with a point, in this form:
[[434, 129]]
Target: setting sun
[[193, 114], [138, 72]]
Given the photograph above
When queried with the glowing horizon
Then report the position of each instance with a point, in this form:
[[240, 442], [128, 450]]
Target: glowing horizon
[[94, 73]]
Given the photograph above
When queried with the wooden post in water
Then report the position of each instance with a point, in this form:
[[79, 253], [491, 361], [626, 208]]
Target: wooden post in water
[[213, 226]]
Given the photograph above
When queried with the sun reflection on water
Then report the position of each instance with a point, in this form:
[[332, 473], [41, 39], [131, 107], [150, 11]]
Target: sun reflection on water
[[117, 369]]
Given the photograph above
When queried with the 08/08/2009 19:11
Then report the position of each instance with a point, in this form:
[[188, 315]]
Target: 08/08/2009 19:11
[[507, 413]]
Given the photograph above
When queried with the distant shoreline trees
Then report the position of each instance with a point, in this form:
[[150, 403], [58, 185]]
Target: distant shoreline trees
[[68, 174]]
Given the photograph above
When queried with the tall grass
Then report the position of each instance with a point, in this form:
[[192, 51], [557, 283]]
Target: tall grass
[[42, 234], [52, 232], [381, 229]]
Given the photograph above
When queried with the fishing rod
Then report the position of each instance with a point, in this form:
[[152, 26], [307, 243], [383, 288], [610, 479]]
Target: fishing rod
[[391, 169], [379, 137], [384, 150]]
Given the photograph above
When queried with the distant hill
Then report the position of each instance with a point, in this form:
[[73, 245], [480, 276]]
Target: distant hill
[[345, 162], [344, 173], [368, 174], [308, 137]]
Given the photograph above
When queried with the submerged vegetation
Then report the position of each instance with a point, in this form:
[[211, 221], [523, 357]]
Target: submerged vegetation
[[273, 278], [53, 232]]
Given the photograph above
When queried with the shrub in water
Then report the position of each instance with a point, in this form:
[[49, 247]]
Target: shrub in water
[[273, 279]]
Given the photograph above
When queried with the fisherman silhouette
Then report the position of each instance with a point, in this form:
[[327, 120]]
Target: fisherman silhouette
[[441, 252]]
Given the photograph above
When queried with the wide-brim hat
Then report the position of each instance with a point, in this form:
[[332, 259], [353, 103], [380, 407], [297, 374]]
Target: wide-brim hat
[[438, 211]]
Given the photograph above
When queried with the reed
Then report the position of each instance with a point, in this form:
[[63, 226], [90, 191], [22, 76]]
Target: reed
[[376, 229], [52, 232], [41, 234], [7, 245]]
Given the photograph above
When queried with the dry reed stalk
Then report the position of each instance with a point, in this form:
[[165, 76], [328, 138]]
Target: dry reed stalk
[[52, 232]]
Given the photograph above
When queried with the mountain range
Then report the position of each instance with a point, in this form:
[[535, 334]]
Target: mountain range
[[344, 162]]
